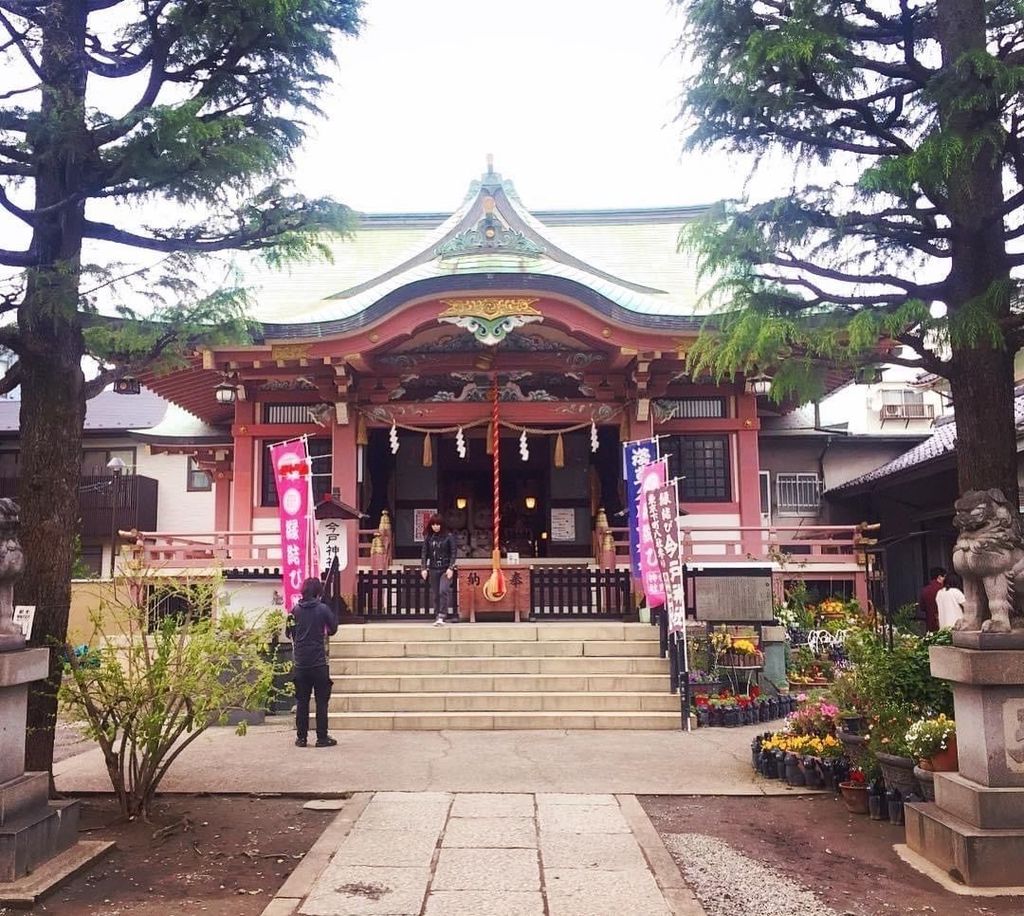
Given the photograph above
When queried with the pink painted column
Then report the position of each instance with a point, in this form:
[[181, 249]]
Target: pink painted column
[[242, 492], [222, 500], [748, 466], [343, 479]]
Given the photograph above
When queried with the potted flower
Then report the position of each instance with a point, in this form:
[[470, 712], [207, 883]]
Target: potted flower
[[853, 721], [933, 743], [855, 792]]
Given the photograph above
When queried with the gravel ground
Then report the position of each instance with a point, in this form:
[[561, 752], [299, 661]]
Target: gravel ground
[[728, 883]]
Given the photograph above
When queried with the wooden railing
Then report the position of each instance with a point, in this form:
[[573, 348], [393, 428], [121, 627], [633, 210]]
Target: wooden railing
[[397, 594], [573, 592], [796, 544]]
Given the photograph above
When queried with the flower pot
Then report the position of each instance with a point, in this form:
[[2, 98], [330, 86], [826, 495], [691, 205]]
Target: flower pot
[[768, 765], [944, 761], [855, 797], [794, 775], [877, 809], [898, 773], [853, 725], [703, 717], [730, 717], [780, 764], [926, 783], [715, 716], [894, 802], [812, 778], [827, 773]]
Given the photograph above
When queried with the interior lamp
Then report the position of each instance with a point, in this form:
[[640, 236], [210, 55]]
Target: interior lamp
[[461, 502], [531, 502]]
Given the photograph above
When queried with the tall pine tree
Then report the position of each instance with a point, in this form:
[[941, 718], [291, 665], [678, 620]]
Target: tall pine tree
[[906, 226], [120, 120]]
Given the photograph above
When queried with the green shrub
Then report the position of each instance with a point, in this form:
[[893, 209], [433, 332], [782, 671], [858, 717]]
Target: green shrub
[[152, 687]]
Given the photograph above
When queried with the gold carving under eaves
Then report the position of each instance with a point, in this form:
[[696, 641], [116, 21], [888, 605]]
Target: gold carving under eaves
[[289, 351], [490, 319]]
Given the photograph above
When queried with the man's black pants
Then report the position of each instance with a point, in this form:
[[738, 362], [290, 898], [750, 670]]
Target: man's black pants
[[316, 681]]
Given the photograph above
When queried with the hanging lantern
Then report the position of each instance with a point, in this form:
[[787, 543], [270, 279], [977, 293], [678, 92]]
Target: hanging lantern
[[361, 436], [489, 448], [559, 452], [524, 447], [594, 443], [428, 452], [393, 439], [460, 443]]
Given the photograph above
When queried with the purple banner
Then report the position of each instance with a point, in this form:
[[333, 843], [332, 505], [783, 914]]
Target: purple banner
[[663, 520], [635, 457]]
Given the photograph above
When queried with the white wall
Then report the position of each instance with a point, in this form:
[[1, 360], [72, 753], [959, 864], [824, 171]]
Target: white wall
[[178, 510], [859, 407]]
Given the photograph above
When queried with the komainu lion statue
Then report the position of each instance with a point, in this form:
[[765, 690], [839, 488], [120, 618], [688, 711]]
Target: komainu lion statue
[[12, 564], [989, 554]]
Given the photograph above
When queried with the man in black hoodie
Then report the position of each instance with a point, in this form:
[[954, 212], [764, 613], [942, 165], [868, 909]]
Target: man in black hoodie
[[311, 621]]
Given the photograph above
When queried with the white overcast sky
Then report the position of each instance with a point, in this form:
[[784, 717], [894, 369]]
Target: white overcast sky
[[576, 99]]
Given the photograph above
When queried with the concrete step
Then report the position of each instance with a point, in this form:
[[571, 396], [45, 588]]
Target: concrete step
[[525, 701], [586, 665], [601, 648], [499, 683], [504, 720], [548, 631]]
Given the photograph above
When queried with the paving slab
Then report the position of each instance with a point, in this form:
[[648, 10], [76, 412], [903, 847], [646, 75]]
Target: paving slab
[[581, 819], [712, 761], [400, 848], [494, 870], [492, 804], [604, 851], [589, 892], [357, 890], [475, 903], [491, 833]]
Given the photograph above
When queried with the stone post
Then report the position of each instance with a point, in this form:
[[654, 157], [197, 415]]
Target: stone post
[[775, 647], [974, 830]]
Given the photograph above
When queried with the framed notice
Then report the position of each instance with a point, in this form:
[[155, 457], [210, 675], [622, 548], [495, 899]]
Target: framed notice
[[563, 524], [420, 517], [24, 615]]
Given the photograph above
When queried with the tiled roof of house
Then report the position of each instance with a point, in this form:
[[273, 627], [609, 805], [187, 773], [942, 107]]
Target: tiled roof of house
[[941, 444], [107, 412]]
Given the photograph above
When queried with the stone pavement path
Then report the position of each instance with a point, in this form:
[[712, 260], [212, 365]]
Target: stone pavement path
[[481, 854]]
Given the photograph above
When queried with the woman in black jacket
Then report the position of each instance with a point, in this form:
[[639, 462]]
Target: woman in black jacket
[[438, 561]]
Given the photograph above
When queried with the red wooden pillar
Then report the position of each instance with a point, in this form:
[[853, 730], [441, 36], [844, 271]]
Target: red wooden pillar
[[242, 490], [748, 465], [343, 478], [222, 501]]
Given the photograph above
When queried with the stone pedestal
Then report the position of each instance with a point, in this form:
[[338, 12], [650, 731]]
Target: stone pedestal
[[775, 648], [974, 830], [32, 828]]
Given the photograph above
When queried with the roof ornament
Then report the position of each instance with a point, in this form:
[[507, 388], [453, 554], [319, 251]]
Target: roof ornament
[[489, 234], [490, 319]]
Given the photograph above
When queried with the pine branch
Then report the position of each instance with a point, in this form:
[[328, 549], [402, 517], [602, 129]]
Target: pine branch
[[16, 258], [11, 379], [790, 262], [244, 240], [19, 41]]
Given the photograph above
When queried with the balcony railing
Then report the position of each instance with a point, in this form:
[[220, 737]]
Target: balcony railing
[[907, 411], [794, 545], [105, 502]]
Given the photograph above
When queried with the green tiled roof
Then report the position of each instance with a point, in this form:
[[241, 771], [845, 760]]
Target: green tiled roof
[[629, 257]]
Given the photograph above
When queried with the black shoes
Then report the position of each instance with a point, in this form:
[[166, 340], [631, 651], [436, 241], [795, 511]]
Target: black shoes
[[327, 742], [300, 742]]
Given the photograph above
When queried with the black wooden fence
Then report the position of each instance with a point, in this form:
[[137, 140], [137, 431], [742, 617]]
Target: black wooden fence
[[397, 594], [575, 592]]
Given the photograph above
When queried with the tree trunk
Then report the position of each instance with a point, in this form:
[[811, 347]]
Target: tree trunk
[[51, 351], [986, 440], [981, 371]]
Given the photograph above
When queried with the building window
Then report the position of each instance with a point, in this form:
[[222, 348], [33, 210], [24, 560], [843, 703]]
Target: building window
[[291, 414], [797, 494], [94, 461], [703, 463], [689, 409], [199, 481], [320, 455]]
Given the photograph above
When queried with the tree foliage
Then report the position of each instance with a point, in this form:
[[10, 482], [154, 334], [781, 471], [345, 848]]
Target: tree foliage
[[159, 127], [146, 689], [903, 123]]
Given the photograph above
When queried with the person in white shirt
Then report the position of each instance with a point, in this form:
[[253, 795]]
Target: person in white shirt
[[950, 601]]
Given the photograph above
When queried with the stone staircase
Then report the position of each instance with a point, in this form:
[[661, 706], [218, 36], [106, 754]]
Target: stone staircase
[[562, 675]]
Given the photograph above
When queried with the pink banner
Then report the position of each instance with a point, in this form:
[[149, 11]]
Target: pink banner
[[295, 509], [653, 476]]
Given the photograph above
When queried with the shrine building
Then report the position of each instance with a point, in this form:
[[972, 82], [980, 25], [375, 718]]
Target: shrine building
[[388, 357]]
